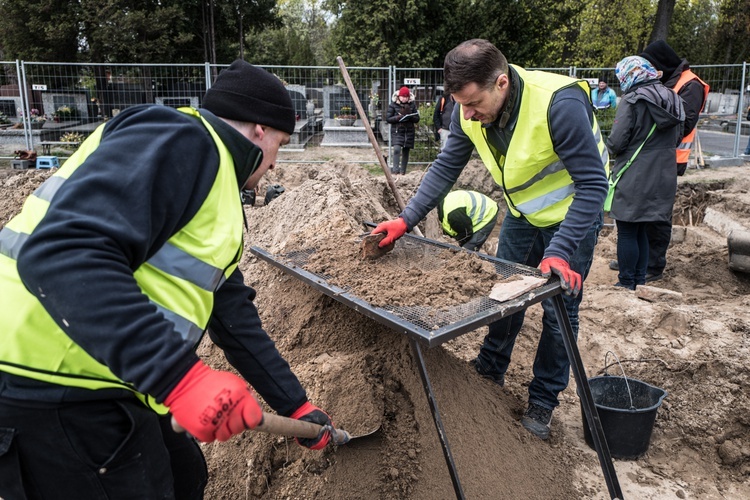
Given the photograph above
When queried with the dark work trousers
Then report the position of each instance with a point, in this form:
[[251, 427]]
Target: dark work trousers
[[400, 159], [659, 234], [523, 243], [108, 449], [477, 239], [632, 253]]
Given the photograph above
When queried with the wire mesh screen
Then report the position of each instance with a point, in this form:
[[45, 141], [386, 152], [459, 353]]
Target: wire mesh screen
[[434, 325]]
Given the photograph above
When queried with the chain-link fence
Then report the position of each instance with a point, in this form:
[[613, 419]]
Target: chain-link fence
[[52, 107]]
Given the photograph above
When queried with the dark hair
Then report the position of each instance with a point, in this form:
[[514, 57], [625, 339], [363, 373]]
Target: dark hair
[[475, 60]]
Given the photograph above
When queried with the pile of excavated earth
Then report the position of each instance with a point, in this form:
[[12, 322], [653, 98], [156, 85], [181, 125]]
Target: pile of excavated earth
[[689, 335]]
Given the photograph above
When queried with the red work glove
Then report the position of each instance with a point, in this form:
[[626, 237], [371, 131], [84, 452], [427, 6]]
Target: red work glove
[[569, 279], [310, 413], [211, 404], [394, 229]]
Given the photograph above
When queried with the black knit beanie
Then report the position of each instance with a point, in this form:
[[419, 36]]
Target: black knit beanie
[[663, 57], [246, 93]]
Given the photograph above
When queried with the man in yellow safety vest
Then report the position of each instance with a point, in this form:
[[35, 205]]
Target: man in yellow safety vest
[[537, 135], [109, 277]]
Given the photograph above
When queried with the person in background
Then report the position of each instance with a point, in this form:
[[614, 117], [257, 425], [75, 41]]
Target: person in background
[[648, 127], [441, 118], [602, 96], [676, 75], [402, 115], [747, 148], [97, 344], [537, 135], [468, 217]]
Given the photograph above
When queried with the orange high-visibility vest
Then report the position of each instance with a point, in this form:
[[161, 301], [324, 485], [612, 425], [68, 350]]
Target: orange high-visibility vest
[[683, 150]]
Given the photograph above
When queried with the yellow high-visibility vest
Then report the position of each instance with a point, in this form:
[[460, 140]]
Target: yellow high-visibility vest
[[179, 280], [535, 183]]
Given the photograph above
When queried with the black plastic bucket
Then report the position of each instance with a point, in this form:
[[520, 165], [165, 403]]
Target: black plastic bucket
[[627, 411]]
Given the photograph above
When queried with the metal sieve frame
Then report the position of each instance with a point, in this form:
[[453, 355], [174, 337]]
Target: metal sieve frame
[[293, 263], [431, 326]]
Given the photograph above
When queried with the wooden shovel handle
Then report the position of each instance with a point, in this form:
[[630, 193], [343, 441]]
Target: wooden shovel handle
[[285, 426]]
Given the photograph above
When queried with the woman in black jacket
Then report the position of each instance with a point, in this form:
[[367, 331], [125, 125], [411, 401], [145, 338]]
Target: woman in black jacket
[[402, 115], [648, 127]]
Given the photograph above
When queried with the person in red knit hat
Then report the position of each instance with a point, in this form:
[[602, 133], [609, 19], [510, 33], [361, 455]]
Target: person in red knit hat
[[402, 115]]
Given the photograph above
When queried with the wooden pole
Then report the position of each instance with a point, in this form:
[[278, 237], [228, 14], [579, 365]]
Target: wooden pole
[[699, 160], [373, 140]]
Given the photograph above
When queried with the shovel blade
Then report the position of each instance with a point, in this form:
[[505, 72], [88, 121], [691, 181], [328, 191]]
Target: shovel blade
[[369, 249]]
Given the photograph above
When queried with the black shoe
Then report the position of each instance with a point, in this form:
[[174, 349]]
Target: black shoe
[[537, 419], [498, 379], [620, 285], [614, 265], [653, 277]]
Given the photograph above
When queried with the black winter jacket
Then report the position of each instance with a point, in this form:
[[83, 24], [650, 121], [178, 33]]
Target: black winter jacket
[[646, 190], [148, 177], [402, 129], [441, 118]]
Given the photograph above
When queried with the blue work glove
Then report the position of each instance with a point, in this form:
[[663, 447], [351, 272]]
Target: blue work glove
[[570, 280], [394, 229], [310, 413]]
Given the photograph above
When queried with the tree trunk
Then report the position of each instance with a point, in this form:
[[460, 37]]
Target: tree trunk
[[664, 12], [212, 29], [242, 37]]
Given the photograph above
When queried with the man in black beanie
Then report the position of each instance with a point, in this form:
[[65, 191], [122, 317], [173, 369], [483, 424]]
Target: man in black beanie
[[676, 74], [97, 345]]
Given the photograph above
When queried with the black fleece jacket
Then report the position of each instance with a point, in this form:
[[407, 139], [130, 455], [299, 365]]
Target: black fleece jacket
[[149, 176]]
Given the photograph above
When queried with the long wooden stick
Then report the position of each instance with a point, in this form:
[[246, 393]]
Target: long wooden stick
[[373, 140]]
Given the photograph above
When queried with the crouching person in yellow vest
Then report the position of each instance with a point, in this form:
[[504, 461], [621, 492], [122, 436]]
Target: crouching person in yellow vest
[[468, 217], [109, 277]]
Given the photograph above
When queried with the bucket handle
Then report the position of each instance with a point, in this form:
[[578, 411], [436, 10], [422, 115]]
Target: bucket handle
[[606, 365]]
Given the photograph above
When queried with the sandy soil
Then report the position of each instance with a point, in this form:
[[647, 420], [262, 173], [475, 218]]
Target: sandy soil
[[364, 374]]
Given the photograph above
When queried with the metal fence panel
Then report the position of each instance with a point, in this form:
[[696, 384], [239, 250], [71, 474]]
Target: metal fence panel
[[44, 102]]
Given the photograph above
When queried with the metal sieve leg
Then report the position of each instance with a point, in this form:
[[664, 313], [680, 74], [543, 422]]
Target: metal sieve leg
[[436, 417], [587, 400]]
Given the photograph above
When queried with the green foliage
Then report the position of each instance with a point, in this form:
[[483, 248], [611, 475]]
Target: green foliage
[[425, 145], [66, 112], [733, 32], [605, 118], [693, 31], [300, 39], [405, 33], [71, 137], [39, 30], [611, 30], [384, 32]]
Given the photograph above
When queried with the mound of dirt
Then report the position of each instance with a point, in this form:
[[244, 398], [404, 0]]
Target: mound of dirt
[[365, 375]]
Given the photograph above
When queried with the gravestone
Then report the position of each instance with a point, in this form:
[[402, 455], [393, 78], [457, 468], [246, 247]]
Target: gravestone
[[712, 103], [303, 127], [299, 99], [10, 105], [337, 135], [728, 104], [178, 101], [76, 101], [334, 98]]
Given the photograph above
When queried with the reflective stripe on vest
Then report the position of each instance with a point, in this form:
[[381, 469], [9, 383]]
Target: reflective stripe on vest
[[179, 279], [480, 208], [535, 183], [683, 150]]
